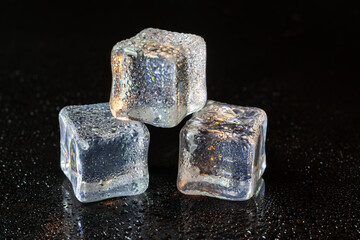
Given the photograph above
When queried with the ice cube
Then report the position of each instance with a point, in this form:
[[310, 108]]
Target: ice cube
[[102, 156], [158, 77], [222, 151]]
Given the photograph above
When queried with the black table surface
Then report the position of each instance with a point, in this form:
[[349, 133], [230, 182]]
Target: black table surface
[[299, 63]]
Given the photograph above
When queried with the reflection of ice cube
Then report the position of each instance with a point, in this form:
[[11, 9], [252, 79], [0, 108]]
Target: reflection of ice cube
[[223, 219], [103, 157], [115, 215], [222, 151], [158, 77]]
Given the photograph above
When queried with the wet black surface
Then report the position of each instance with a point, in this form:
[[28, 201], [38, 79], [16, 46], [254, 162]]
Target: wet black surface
[[297, 62]]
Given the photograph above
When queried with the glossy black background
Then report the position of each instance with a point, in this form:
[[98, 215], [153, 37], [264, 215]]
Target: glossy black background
[[300, 63]]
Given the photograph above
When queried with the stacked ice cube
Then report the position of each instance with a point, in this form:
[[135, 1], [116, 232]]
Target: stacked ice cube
[[158, 79]]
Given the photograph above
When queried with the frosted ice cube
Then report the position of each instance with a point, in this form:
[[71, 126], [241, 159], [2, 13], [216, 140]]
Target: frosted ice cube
[[222, 151], [158, 77], [102, 156]]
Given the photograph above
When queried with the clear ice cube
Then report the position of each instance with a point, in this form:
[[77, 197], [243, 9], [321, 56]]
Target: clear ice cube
[[222, 151], [103, 157], [158, 77]]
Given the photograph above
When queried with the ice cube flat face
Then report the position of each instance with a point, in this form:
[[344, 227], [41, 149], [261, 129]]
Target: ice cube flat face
[[102, 156], [222, 151], [158, 77]]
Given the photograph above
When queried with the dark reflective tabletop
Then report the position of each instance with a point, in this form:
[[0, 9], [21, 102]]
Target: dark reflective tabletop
[[299, 63]]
